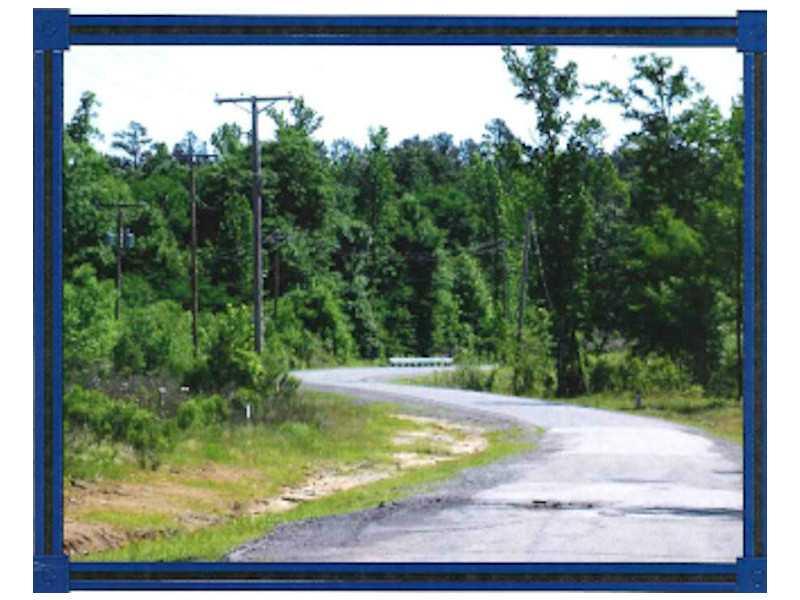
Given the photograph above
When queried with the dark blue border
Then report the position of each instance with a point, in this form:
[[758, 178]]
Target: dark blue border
[[38, 299], [408, 30], [55, 30]]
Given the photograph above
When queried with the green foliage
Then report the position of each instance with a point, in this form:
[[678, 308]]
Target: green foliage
[[134, 143], [89, 182], [228, 358], [624, 371], [531, 356], [90, 331], [321, 322], [117, 421], [81, 129], [417, 247], [155, 338], [278, 403], [202, 411], [470, 374]]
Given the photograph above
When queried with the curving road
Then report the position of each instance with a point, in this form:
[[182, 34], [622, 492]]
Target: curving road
[[601, 487]]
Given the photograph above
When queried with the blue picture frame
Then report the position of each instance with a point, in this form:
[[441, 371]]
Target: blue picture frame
[[55, 30]]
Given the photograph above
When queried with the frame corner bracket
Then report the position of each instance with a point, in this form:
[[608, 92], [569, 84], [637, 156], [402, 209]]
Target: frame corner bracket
[[51, 574], [50, 29], [751, 31], [751, 574]]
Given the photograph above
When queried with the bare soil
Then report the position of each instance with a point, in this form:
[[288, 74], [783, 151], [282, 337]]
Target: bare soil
[[175, 498]]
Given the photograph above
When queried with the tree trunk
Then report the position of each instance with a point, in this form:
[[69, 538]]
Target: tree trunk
[[568, 365]]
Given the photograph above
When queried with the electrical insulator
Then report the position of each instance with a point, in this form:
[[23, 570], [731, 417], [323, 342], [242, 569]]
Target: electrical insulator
[[111, 238], [130, 239]]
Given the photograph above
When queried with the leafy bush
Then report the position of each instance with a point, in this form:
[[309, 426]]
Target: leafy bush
[[471, 375], [118, 421], [726, 374], [626, 372], [202, 411], [279, 403], [155, 338], [318, 328], [90, 331], [229, 360], [531, 358]]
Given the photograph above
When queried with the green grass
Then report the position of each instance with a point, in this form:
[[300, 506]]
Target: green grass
[[720, 417], [341, 431], [717, 416], [213, 542], [129, 520], [265, 459]]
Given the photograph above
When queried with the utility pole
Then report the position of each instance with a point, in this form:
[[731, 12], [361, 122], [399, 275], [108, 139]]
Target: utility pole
[[121, 241], [192, 158], [258, 272]]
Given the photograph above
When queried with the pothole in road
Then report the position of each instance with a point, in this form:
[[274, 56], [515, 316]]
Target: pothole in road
[[535, 504], [561, 505]]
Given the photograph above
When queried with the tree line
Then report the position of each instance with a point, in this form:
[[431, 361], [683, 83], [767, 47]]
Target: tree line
[[548, 255]]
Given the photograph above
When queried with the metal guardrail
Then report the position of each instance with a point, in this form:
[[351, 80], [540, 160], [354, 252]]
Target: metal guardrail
[[420, 361]]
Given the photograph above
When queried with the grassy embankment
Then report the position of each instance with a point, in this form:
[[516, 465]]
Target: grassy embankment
[[721, 417], [224, 485]]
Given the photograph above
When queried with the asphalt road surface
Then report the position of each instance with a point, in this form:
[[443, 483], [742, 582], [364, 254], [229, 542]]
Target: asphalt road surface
[[600, 487]]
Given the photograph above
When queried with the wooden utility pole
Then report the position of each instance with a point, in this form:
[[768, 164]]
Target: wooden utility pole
[[120, 248], [120, 240], [258, 270], [192, 158]]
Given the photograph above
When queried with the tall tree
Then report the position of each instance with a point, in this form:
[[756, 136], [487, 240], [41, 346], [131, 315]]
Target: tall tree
[[81, 129], [679, 215], [134, 142], [562, 207]]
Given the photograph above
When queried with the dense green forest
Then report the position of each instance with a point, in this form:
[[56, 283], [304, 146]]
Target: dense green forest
[[580, 270]]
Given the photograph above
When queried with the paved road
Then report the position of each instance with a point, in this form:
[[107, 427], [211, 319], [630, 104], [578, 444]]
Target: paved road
[[601, 487]]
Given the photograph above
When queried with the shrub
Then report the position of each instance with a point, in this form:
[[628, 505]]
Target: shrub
[[627, 372], [531, 357], [325, 331], [471, 375], [117, 421], [277, 403], [726, 374], [202, 411], [155, 338], [229, 360], [90, 331]]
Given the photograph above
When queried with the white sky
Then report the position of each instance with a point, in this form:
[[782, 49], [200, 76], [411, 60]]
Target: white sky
[[411, 90]]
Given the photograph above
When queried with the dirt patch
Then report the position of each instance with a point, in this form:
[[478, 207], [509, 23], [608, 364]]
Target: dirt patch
[[189, 499], [319, 485], [82, 538], [443, 440]]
